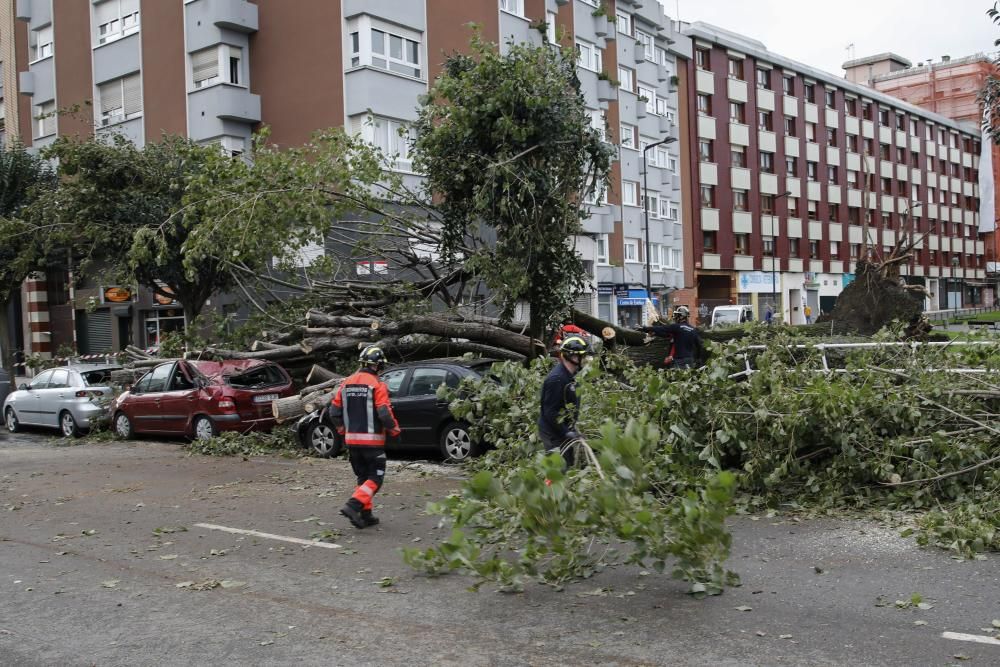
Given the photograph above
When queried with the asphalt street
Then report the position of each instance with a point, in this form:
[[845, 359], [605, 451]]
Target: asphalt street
[[119, 554]]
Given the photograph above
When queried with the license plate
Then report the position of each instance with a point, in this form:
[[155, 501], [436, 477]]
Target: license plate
[[265, 398]]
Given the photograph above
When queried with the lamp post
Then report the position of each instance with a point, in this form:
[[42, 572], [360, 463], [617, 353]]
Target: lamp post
[[955, 261], [774, 244], [645, 204]]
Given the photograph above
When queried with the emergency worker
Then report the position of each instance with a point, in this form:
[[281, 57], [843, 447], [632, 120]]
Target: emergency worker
[[687, 345], [362, 413], [560, 407]]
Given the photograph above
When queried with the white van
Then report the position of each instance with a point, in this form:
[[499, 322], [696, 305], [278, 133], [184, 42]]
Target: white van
[[731, 315]]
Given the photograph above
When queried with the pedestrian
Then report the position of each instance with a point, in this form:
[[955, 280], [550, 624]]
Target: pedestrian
[[769, 314], [688, 348], [560, 406], [362, 413], [809, 314]]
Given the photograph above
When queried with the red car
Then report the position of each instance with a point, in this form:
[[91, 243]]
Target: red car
[[200, 398]]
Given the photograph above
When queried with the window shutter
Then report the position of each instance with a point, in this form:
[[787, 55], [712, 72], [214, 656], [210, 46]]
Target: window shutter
[[132, 94], [105, 12], [205, 64], [111, 96]]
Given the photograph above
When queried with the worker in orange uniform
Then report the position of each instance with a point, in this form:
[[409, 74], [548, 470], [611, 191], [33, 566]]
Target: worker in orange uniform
[[362, 413]]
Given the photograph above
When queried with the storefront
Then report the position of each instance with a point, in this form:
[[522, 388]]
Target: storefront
[[630, 303], [156, 323]]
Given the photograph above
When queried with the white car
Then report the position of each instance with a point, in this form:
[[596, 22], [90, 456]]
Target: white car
[[731, 315], [70, 398]]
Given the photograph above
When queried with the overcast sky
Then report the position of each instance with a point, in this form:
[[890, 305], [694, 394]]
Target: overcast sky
[[817, 33]]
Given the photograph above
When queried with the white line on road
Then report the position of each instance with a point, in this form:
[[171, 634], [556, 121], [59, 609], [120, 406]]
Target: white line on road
[[270, 536], [979, 639]]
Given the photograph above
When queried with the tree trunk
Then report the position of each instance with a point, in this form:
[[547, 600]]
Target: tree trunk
[[318, 374], [6, 353], [596, 327]]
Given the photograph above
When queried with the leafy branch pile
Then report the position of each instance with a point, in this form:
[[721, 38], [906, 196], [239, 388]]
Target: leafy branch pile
[[253, 443], [891, 427]]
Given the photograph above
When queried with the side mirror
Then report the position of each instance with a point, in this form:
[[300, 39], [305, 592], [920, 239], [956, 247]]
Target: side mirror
[[23, 387]]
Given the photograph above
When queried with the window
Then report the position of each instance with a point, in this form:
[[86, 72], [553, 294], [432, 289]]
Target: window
[[704, 104], [628, 136], [652, 202], [550, 27], [120, 99], [793, 206], [901, 122], [768, 246], [869, 145], [831, 99], [851, 107], [883, 151], [705, 150], [218, 64], [913, 128], [834, 249], [425, 381], [626, 78], [624, 23], [741, 201], [708, 196], [886, 221], [43, 44], [392, 137], [631, 250], [116, 19], [662, 57], [856, 250], [654, 256], [852, 143], [767, 162], [158, 378], [883, 116], [701, 59], [788, 84], [764, 121], [764, 78], [831, 137], [630, 193], [886, 185], [602, 249], [599, 123], [790, 130], [708, 241], [45, 115], [738, 155], [737, 112], [661, 109], [852, 178], [833, 212], [741, 244], [588, 56], [673, 213], [812, 169], [736, 68], [791, 165], [646, 40], [831, 175], [810, 93], [793, 248], [378, 45], [853, 215], [812, 211], [647, 93], [814, 250], [767, 204], [900, 155], [513, 6], [866, 110], [811, 132]]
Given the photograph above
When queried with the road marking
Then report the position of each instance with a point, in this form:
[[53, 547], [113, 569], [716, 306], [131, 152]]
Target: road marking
[[270, 536], [979, 639]]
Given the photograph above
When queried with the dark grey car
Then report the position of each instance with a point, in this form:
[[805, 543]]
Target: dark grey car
[[69, 398]]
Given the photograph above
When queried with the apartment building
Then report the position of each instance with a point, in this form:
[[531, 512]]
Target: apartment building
[[950, 87], [217, 70], [798, 173]]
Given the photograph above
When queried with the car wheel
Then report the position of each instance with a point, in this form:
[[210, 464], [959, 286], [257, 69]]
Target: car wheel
[[123, 426], [323, 440], [204, 428], [457, 444], [67, 424], [10, 419]]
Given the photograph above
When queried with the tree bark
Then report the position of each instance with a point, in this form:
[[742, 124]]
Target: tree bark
[[596, 326], [278, 353], [6, 353], [318, 374]]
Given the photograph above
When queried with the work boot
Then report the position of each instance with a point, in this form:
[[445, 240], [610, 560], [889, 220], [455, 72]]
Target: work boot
[[366, 516], [354, 516]]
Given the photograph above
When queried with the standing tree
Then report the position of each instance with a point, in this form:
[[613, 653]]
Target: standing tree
[[22, 177], [506, 145], [120, 209]]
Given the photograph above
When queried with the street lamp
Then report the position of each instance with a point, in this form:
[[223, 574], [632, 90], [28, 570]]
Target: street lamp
[[774, 244], [645, 204]]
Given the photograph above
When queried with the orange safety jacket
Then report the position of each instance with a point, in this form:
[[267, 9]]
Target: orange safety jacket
[[361, 410]]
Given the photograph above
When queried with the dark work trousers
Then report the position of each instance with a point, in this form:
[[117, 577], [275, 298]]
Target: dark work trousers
[[368, 464], [553, 446]]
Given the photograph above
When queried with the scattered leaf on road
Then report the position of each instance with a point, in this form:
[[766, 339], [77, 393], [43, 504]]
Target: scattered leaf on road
[[163, 530], [111, 583], [232, 583], [168, 557], [744, 608], [89, 531], [924, 606]]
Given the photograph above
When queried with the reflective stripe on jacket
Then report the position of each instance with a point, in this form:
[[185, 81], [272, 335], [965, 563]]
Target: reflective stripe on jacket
[[362, 412]]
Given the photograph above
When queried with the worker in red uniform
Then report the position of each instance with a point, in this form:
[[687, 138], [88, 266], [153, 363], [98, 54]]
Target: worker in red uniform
[[362, 413]]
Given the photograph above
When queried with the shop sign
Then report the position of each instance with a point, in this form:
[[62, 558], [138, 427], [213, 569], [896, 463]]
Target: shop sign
[[757, 281], [117, 294], [621, 291], [163, 299]]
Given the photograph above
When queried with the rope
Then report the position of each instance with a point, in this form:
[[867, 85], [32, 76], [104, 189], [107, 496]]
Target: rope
[[577, 444]]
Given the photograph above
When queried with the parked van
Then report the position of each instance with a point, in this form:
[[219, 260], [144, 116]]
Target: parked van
[[731, 315]]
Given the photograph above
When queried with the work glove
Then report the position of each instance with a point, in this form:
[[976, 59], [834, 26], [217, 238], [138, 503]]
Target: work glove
[[394, 433], [572, 435]]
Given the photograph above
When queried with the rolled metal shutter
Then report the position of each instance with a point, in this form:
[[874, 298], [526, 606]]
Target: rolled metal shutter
[[585, 303], [96, 330]]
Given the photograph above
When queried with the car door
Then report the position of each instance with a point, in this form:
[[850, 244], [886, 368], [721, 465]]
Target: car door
[[177, 401], [144, 406], [395, 381], [54, 395], [31, 411], [419, 411]]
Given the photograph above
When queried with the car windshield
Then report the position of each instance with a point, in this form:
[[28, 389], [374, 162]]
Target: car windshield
[[257, 378], [96, 378], [725, 316]]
